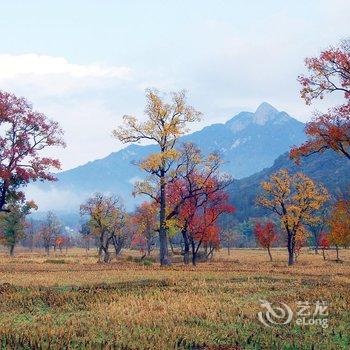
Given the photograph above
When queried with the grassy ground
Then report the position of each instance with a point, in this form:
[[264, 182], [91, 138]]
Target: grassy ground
[[71, 302]]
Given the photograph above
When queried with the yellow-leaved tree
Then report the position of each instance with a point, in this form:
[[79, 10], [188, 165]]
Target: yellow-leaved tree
[[106, 218], [165, 122], [295, 199], [339, 224]]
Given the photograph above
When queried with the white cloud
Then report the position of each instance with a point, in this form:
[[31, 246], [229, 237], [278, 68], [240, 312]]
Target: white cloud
[[13, 66], [36, 76], [88, 125], [53, 198]]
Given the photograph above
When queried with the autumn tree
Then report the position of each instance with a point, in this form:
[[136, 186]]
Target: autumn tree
[[198, 213], [202, 220], [316, 229], [24, 134], [324, 243], [301, 240], [86, 234], [146, 225], [266, 235], [30, 234], [164, 124], [106, 219], [13, 223], [198, 179], [49, 231], [60, 241], [228, 239], [295, 199], [328, 73], [339, 223]]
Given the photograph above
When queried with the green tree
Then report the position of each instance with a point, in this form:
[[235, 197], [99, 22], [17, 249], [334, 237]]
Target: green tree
[[13, 223]]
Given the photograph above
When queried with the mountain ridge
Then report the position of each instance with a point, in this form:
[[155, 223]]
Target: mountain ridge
[[248, 142], [316, 166]]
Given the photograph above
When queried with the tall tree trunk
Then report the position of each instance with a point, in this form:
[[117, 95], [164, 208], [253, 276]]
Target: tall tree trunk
[[163, 239], [316, 243], [118, 244], [210, 254], [337, 250], [103, 248], [194, 252], [290, 249], [3, 192], [324, 255], [148, 248], [171, 246], [12, 249], [100, 248], [269, 251], [186, 246], [228, 250], [106, 254], [106, 257]]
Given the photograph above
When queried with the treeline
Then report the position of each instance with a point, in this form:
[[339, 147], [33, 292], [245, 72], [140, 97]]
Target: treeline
[[187, 193]]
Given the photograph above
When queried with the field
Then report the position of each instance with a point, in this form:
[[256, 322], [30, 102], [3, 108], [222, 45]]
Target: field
[[69, 301]]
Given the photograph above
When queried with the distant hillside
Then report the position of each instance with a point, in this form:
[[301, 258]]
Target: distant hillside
[[248, 143], [330, 169]]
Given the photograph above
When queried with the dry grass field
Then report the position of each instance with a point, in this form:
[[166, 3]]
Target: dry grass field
[[68, 301]]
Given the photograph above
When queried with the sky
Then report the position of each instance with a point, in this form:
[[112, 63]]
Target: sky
[[88, 63]]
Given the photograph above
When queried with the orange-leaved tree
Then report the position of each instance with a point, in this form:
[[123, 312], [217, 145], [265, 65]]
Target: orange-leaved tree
[[294, 199], [339, 223], [164, 124], [146, 225]]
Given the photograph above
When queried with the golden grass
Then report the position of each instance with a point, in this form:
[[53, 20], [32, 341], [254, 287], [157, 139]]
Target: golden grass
[[79, 304]]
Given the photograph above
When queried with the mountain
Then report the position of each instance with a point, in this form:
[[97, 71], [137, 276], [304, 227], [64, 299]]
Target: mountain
[[329, 169], [248, 142]]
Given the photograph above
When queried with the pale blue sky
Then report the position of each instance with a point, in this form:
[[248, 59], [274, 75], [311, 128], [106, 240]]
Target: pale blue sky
[[86, 63]]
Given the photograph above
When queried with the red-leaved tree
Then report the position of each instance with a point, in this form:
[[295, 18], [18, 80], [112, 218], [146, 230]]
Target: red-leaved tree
[[324, 243], [24, 133], [199, 211], [203, 226], [330, 72], [266, 235], [145, 220], [199, 184]]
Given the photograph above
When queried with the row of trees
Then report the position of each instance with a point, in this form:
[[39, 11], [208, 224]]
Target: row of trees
[[331, 229], [186, 189], [195, 198], [186, 186], [296, 199], [48, 233], [25, 134]]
